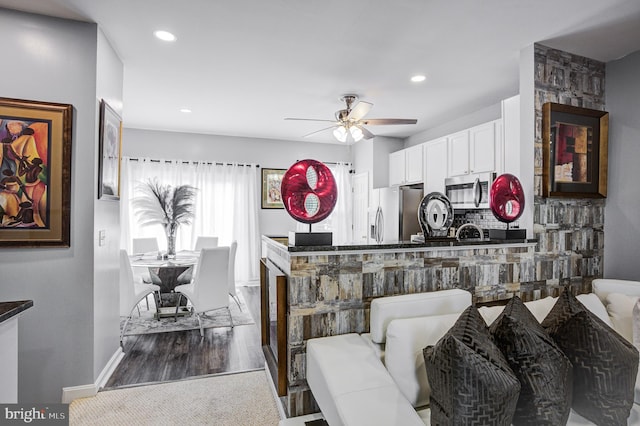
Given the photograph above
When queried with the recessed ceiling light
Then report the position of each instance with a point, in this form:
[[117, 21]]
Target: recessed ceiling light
[[164, 35], [418, 78], [185, 110]]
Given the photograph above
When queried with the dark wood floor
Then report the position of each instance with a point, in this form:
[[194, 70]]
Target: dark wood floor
[[159, 357]]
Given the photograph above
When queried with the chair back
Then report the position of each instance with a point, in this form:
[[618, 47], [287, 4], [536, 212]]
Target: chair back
[[127, 284], [206, 242], [145, 245], [211, 283], [232, 268]]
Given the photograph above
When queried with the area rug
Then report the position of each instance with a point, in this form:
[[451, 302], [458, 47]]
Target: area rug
[[147, 324], [241, 399]]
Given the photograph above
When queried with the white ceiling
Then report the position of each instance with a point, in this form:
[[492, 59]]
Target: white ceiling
[[242, 66]]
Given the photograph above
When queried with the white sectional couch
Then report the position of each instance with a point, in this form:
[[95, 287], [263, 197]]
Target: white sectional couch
[[380, 378]]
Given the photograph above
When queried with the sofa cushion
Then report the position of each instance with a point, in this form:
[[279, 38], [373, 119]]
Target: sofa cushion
[[386, 309], [620, 309], [593, 303], [603, 286], [470, 380], [605, 365], [345, 376], [403, 352], [543, 370]]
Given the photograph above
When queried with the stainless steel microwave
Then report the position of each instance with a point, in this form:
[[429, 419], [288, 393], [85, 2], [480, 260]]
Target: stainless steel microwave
[[469, 191]]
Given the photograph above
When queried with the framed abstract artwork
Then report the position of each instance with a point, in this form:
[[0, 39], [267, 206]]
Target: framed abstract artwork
[[574, 153], [110, 152], [271, 182], [35, 173]]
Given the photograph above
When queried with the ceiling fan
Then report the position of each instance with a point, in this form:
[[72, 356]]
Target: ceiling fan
[[351, 121]]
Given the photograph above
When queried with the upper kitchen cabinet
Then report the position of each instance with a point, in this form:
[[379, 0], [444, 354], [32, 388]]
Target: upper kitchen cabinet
[[475, 150], [405, 166], [435, 165]]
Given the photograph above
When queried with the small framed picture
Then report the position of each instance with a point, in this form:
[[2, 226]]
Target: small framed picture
[[574, 154], [271, 181], [110, 153]]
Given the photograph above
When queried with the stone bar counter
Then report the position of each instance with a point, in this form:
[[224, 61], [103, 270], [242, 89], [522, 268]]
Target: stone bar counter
[[316, 291], [10, 311]]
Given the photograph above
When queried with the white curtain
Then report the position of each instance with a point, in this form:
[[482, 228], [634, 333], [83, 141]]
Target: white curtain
[[339, 222], [225, 206]]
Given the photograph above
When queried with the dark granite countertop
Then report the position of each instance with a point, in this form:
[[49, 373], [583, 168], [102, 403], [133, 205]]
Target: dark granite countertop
[[431, 242], [11, 309]]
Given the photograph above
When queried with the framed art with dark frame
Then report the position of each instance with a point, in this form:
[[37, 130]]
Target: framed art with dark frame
[[110, 153], [271, 181], [574, 154], [35, 173]]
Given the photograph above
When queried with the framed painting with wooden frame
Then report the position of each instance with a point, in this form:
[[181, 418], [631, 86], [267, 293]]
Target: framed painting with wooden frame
[[110, 152], [35, 173], [271, 181], [574, 154]]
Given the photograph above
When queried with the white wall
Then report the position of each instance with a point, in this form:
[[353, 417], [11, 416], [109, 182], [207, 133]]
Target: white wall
[[54, 60], [268, 153], [106, 295], [622, 223]]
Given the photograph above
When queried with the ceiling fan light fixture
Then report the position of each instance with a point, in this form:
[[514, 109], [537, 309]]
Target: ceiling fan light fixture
[[356, 133], [418, 78], [340, 133]]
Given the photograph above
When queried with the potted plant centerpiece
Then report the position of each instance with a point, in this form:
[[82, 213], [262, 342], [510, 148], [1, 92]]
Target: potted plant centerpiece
[[166, 205]]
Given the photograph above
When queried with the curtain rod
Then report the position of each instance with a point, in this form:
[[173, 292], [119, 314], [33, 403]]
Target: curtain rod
[[349, 163], [189, 162]]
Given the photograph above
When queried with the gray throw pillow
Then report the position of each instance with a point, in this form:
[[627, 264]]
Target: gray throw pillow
[[544, 372], [605, 364], [471, 382]]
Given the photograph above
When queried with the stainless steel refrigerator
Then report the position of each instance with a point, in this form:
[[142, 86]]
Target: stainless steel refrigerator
[[394, 214]]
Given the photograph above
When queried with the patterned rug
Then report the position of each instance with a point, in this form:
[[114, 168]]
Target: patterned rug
[[146, 323]]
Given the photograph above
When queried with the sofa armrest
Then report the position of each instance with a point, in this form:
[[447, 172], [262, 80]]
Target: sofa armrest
[[603, 286], [352, 387]]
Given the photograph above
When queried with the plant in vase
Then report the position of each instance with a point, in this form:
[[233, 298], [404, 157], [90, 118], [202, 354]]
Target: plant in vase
[[165, 205]]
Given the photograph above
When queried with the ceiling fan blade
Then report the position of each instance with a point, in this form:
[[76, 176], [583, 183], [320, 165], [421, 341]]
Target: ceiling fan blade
[[366, 134], [380, 121], [311, 119], [359, 110], [318, 131]]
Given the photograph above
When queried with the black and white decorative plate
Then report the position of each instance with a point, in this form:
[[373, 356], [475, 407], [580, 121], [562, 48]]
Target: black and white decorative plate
[[435, 215]]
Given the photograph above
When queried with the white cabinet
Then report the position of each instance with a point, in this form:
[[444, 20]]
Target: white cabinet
[[475, 150], [458, 153], [405, 166], [435, 165], [396, 168]]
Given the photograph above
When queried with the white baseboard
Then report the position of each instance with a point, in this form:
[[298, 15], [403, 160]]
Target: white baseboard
[[84, 391]]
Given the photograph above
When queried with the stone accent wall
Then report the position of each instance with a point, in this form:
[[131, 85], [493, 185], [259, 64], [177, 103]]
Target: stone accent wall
[[570, 231], [331, 294]]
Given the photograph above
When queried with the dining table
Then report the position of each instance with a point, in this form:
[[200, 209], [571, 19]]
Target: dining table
[[168, 272]]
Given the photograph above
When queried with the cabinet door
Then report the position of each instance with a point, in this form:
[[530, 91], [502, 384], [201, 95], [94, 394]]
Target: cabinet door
[[482, 152], [396, 168], [458, 147], [413, 163], [435, 165]]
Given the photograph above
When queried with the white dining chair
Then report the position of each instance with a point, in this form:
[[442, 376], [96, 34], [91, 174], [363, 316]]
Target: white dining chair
[[131, 291], [205, 242], [209, 289], [232, 273], [145, 245]]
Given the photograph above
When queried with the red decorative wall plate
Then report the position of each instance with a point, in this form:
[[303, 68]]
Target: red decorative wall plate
[[506, 199], [309, 191]]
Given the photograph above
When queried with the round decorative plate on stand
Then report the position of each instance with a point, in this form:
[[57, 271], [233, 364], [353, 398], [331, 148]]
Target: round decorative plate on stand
[[435, 215], [309, 191], [506, 201]]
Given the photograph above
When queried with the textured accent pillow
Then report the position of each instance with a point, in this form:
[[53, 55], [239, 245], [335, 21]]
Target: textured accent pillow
[[471, 382], [605, 364], [544, 372]]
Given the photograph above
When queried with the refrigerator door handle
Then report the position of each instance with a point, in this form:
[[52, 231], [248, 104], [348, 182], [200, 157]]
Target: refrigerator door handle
[[379, 226]]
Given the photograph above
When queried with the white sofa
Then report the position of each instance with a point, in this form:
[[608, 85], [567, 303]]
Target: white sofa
[[379, 378]]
